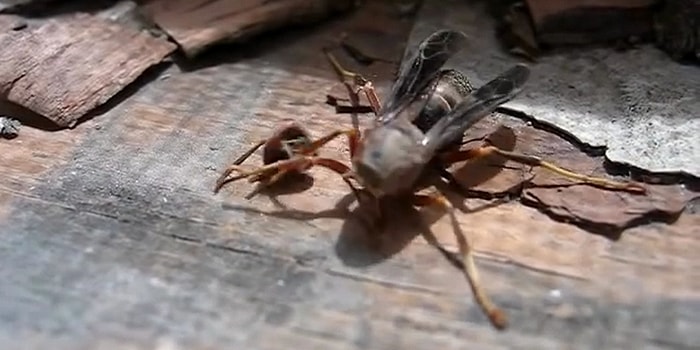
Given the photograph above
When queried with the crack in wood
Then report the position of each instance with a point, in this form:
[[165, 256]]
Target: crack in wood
[[505, 260], [614, 168], [384, 282]]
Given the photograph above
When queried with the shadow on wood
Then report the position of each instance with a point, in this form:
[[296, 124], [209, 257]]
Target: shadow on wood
[[290, 183], [361, 245], [481, 170]]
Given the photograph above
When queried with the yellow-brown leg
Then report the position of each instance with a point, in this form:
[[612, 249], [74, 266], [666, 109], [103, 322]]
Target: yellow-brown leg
[[341, 169], [353, 136], [264, 181], [458, 156], [222, 179], [249, 152], [300, 163], [496, 316], [358, 82]]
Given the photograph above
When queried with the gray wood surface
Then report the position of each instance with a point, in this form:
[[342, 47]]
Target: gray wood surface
[[111, 237]]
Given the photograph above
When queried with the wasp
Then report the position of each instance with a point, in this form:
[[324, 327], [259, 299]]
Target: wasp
[[425, 114]]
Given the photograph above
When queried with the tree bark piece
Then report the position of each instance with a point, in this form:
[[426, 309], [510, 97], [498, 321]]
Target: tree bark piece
[[590, 21], [196, 25], [63, 68], [597, 210]]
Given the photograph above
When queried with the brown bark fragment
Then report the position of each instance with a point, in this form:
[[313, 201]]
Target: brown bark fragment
[[63, 68], [196, 25], [607, 211], [597, 209]]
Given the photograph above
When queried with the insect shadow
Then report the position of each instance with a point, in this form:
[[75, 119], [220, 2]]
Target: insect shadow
[[359, 244]]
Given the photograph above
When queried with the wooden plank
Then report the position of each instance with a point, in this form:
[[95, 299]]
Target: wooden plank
[[197, 25], [119, 242], [63, 68]]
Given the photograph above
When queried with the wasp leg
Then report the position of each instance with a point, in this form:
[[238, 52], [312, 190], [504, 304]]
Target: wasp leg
[[495, 315], [353, 136], [248, 153], [344, 171], [458, 156], [264, 181], [300, 163], [222, 179], [359, 83]]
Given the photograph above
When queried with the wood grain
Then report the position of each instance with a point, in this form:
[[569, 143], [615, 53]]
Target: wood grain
[[120, 242], [63, 68]]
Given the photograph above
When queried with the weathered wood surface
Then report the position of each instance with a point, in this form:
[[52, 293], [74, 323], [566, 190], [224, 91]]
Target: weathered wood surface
[[65, 67], [197, 25], [111, 236]]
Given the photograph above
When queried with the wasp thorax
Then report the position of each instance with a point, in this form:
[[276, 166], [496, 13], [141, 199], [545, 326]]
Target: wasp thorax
[[389, 161]]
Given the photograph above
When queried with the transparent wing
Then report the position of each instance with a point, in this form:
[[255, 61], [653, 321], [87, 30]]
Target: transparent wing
[[477, 105], [419, 70]]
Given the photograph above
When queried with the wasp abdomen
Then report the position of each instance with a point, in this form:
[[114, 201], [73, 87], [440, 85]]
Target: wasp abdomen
[[451, 88]]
